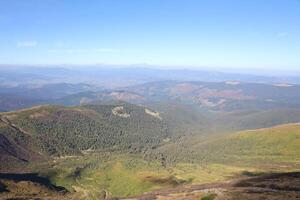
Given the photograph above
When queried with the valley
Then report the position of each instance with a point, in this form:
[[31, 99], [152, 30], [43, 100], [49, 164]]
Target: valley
[[157, 140], [163, 150]]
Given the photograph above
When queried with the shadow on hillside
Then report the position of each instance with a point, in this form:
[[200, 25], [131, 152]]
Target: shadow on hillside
[[31, 177], [3, 188], [289, 181]]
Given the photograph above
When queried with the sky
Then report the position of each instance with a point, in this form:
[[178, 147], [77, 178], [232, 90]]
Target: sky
[[237, 34]]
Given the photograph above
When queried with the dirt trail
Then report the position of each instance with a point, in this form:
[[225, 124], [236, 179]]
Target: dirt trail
[[13, 126]]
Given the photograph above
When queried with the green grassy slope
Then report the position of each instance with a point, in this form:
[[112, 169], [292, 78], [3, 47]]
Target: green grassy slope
[[278, 144], [275, 146]]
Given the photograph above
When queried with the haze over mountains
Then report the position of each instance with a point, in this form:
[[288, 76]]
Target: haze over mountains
[[116, 133], [27, 86], [121, 76]]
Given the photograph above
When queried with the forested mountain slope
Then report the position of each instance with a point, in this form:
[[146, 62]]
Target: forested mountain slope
[[58, 130], [43, 131]]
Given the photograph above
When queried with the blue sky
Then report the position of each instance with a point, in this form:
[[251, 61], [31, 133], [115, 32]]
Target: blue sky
[[197, 33]]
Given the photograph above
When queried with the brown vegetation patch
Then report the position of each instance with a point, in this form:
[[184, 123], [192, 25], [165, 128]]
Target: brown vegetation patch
[[169, 180], [125, 96], [184, 88], [37, 115], [226, 94]]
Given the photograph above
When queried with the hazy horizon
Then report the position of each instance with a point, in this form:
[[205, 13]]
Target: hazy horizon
[[144, 66]]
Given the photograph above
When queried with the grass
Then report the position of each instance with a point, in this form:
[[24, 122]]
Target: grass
[[123, 175], [209, 197], [206, 173], [282, 141], [279, 145], [101, 175]]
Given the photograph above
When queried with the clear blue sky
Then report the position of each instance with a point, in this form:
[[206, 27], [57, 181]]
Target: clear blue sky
[[216, 33]]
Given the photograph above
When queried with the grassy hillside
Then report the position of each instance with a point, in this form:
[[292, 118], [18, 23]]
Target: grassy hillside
[[276, 144], [269, 147]]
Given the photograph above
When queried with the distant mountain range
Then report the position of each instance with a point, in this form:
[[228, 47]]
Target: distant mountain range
[[225, 96], [119, 76]]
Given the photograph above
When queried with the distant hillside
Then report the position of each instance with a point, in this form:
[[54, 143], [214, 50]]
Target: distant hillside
[[10, 102], [92, 97], [58, 130], [217, 96], [45, 91], [224, 96], [243, 120], [25, 96]]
